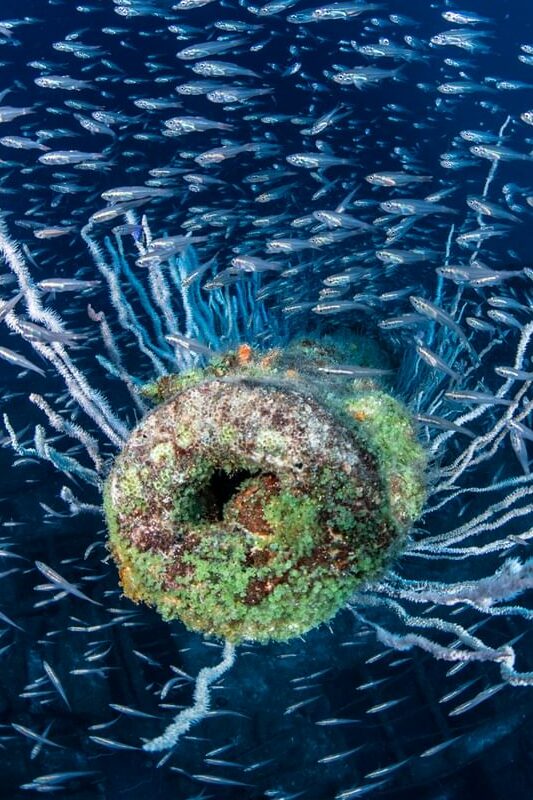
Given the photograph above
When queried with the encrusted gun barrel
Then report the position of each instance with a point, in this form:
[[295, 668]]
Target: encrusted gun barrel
[[265, 488]]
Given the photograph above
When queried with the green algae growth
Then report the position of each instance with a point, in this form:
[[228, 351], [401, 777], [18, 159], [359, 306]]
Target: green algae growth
[[264, 489]]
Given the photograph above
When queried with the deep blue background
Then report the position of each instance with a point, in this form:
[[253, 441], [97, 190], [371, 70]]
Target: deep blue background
[[493, 759]]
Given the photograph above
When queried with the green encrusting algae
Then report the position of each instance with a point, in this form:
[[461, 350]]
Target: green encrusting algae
[[265, 489]]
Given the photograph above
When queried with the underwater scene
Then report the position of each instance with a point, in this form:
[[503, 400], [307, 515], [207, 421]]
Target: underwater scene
[[266, 340]]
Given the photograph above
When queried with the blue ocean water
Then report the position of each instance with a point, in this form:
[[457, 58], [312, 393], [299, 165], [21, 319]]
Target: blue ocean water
[[302, 718]]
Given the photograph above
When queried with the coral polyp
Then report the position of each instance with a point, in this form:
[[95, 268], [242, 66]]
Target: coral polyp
[[264, 490]]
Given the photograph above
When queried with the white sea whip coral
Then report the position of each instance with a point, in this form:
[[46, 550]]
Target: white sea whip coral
[[231, 318]]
